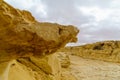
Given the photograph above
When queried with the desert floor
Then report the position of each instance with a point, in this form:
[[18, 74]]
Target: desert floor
[[87, 69]]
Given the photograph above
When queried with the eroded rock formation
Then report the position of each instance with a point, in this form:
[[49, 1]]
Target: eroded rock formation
[[21, 35], [26, 45]]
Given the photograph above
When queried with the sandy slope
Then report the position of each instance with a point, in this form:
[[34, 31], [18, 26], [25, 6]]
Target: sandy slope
[[87, 69]]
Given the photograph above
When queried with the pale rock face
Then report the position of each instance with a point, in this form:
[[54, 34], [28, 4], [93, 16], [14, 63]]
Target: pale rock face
[[47, 68], [64, 59], [50, 65], [27, 46], [32, 68]]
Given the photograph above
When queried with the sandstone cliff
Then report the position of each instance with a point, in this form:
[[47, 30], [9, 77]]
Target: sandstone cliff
[[26, 45], [106, 50]]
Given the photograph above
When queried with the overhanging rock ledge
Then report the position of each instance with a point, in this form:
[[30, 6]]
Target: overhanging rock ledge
[[22, 36]]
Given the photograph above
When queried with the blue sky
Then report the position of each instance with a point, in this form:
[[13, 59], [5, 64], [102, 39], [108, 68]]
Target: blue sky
[[97, 20]]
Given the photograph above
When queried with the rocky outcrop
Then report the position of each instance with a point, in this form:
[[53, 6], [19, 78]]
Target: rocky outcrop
[[106, 50], [22, 36], [26, 45]]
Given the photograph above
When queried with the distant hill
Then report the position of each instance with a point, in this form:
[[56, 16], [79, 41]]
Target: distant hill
[[105, 50]]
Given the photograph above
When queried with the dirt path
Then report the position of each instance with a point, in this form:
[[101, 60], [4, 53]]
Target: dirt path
[[87, 69]]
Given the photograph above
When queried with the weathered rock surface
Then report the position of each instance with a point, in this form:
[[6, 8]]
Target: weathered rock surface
[[26, 46], [65, 62], [64, 59], [106, 50], [22, 36], [47, 68]]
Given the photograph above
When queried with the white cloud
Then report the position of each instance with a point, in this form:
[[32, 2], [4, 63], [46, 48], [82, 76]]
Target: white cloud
[[98, 13], [115, 4], [40, 9], [86, 25]]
